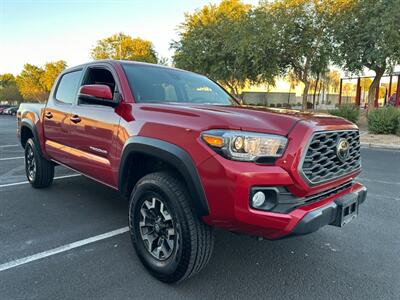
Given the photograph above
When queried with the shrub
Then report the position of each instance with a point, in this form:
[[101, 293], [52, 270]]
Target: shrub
[[398, 126], [348, 111], [279, 105], [383, 120], [272, 105]]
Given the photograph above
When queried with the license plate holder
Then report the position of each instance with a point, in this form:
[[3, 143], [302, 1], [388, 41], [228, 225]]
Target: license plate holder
[[347, 209]]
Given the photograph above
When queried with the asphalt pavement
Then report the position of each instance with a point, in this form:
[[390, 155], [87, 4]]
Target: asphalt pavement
[[359, 261]]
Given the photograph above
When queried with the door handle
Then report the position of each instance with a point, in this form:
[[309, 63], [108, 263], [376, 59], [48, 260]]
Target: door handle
[[75, 119], [48, 115]]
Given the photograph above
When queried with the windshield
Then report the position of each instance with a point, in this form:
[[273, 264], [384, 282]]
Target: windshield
[[155, 84]]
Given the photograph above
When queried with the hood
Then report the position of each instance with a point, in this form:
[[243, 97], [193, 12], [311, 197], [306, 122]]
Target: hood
[[248, 118]]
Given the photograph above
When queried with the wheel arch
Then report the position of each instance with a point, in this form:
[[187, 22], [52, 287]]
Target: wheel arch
[[29, 130], [170, 155]]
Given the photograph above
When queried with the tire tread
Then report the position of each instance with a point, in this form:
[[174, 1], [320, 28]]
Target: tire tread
[[201, 235], [44, 169]]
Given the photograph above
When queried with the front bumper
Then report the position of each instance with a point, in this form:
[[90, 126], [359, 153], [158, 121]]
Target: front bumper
[[329, 214], [228, 185]]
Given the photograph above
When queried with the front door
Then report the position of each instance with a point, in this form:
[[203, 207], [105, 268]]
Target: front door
[[94, 128]]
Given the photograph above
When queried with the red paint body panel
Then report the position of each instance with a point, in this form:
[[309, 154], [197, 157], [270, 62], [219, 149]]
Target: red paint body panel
[[94, 147], [96, 90]]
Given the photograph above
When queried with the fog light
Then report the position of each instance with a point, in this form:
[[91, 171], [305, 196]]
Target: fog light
[[258, 199]]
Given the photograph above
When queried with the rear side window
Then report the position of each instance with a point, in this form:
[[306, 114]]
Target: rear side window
[[68, 87]]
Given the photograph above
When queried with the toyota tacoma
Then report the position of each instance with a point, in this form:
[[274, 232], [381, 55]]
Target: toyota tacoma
[[189, 158]]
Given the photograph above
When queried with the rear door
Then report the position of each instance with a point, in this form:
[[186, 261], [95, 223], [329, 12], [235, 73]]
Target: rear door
[[57, 115], [94, 129]]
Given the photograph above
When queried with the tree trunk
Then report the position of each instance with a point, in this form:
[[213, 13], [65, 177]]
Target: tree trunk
[[232, 89], [235, 92], [315, 91], [374, 85], [305, 94], [321, 88]]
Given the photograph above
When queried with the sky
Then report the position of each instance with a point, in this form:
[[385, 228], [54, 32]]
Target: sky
[[41, 31]]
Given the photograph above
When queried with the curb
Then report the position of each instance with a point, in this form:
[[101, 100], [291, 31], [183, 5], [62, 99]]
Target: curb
[[380, 146]]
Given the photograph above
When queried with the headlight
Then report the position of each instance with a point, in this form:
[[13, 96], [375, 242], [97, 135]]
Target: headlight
[[245, 146]]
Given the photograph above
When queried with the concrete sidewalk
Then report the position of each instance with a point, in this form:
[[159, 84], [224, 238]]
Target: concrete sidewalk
[[382, 141]]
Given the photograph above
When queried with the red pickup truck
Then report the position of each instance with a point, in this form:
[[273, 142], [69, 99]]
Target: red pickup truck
[[189, 158]]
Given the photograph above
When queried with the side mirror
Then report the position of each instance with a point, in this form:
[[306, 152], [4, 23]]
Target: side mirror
[[97, 94]]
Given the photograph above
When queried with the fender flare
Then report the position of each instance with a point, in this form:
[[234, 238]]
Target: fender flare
[[31, 126], [173, 155]]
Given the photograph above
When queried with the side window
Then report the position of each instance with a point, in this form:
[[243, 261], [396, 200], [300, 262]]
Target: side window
[[100, 76], [68, 87]]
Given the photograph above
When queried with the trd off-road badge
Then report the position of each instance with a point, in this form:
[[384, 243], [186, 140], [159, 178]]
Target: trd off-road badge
[[343, 150]]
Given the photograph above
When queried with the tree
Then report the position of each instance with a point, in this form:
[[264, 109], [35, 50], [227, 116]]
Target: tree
[[8, 88], [124, 47], [211, 14], [6, 80], [51, 71], [164, 61], [367, 34], [30, 84], [262, 46], [303, 37], [332, 80], [209, 44], [34, 83], [291, 78]]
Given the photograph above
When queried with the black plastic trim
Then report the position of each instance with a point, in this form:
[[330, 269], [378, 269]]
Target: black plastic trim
[[29, 124], [174, 156], [117, 92], [326, 215], [87, 99], [300, 165], [287, 202]]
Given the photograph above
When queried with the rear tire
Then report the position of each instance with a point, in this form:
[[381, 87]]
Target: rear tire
[[170, 239], [39, 171]]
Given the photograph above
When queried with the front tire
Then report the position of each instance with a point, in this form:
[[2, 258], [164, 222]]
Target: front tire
[[169, 238], [39, 171]]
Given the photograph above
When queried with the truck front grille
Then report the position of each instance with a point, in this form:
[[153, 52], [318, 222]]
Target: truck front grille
[[322, 162]]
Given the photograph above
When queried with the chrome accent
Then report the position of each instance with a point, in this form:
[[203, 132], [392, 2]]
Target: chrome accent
[[98, 150], [342, 150]]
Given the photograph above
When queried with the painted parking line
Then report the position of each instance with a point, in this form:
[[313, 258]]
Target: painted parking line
[[379, 196], [25, 182], [11, 158], [6, 146], [378, 181], [64, 248]]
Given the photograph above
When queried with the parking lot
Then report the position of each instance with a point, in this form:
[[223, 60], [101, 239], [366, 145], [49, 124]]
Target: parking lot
[[86, 223]]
